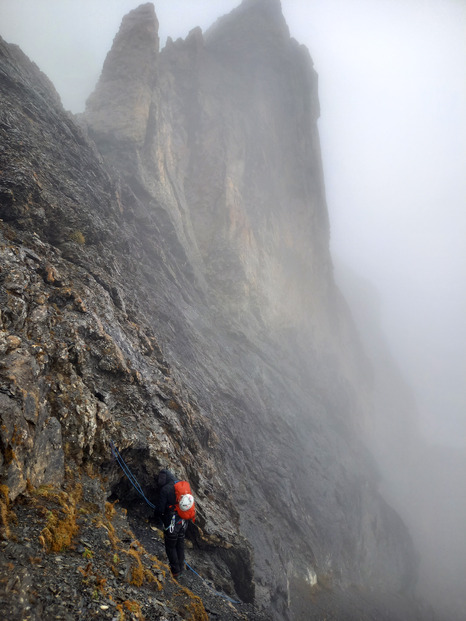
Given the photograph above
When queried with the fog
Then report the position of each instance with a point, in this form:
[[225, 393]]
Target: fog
[[393, 95], [393, 98]]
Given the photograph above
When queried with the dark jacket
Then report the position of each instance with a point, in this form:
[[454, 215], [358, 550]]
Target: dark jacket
[[166, 498]]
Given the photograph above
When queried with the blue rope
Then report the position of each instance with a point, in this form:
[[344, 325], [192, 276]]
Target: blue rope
[[125, 468], [132, 479], [233, 601]]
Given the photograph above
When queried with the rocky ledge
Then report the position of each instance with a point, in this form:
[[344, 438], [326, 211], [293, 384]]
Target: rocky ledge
[[69, 554]]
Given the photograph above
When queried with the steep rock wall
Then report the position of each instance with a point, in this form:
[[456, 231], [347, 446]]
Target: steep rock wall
[[232, 140], [231, 151], [177, 298]]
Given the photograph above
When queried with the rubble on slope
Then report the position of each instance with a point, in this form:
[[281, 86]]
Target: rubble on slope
[[67, 553]]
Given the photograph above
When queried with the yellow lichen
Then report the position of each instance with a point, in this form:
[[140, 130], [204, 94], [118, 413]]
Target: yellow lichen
[[9, 455], [4, 510], [121, 613], [137, 572], [77, 237], [61, 526], [134, 608], [194, 609]]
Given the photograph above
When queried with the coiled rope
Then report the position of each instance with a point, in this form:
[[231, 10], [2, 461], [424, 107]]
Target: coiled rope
[[134, 482]]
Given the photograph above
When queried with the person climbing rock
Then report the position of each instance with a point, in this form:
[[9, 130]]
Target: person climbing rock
[[175, 507]]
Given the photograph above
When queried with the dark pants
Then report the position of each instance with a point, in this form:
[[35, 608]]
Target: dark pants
[[174, 546]]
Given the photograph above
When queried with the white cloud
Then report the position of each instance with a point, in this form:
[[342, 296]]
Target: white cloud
[[393, 95]]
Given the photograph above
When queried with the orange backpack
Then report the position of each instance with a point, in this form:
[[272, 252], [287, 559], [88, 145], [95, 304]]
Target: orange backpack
[[182, 488]]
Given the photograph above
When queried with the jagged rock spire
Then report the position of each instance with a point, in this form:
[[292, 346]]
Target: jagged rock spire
[[253, 23], [247, 383], [120, 104]]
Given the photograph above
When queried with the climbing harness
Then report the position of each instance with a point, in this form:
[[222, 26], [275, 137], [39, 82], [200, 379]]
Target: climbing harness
[[134, 482], [229, 599], [173, 523], [171, 526], [132, 479]]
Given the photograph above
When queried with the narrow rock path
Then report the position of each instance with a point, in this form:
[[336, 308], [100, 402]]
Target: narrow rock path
[[217, 604], [66, 553]]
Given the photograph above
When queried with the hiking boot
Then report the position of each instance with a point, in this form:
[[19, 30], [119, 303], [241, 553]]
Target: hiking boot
[[177, 575]]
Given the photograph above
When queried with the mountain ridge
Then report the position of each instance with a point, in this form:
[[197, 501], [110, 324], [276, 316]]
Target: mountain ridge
[[189, 319]]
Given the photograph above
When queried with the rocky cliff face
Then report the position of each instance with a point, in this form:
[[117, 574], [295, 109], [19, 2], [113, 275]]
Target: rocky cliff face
[[167, 284], [226, 140]]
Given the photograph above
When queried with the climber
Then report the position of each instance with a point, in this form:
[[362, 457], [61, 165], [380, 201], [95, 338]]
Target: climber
[[175, 508]]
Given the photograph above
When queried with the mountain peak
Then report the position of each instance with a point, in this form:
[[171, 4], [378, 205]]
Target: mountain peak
[[138, 30], [142, 13], [180, 302], [253, 21], [120, 103], [272, 7]]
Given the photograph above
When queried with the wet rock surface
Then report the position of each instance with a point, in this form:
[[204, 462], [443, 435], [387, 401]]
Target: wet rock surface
[[113, 567], [156, 292], [67, 553]]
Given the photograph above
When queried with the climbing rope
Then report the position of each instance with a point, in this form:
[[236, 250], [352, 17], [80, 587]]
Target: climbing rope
[[134, 482], [233, 601], [132, 479]]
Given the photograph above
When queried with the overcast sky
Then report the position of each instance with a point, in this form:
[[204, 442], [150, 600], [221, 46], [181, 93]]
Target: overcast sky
[[392, 85]]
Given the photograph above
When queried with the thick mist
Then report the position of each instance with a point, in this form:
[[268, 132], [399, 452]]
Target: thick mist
[[393, 95]]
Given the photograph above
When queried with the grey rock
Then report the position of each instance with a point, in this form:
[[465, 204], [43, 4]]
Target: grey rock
[[185, 306]]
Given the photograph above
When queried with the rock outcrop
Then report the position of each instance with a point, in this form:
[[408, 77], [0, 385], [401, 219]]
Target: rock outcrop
[[167, 284]]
